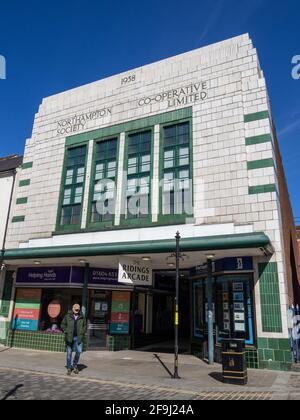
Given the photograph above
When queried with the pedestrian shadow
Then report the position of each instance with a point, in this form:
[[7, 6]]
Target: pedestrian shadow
[[12, 392], [82, 367]]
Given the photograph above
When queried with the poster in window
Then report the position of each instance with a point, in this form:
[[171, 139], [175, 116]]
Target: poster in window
[[238, 287], [238, 297], [239, 316], [239, 327], [239, 307]]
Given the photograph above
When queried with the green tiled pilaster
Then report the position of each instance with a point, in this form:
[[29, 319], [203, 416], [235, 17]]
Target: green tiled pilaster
[[265, 138], [260, 164], [6, 295], [18, 219], [22, 200], [27, 165], [270, 298], [24, 183], [4, 328], [262, 189], [274, 354], [256, 116]]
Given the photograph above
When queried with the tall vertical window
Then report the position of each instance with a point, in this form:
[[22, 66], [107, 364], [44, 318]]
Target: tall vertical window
[[138, 176], [105, 175], [73, 186], [177, 173]]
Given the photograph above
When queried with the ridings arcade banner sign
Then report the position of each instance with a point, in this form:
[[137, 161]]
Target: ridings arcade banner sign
[[135, 272]]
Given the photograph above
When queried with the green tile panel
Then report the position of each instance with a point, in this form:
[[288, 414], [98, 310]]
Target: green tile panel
[[262, 189], [24, 183], [18, 219], [256, 116], [27, 165], [22, 200], [274, 354], [270, 298], [265, 138], [6, 295], [260, 164]]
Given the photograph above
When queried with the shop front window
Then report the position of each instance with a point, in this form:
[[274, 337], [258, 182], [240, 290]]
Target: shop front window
[[233, 308], [55, 305]]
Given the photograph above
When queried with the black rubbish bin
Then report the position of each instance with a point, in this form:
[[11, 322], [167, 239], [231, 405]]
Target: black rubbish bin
[[234, 362]]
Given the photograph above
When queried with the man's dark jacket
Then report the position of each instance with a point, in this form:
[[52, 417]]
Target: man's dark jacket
[[68, 324]]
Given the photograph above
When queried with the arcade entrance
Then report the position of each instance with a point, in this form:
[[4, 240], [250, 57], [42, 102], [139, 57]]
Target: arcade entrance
[[154, 314]]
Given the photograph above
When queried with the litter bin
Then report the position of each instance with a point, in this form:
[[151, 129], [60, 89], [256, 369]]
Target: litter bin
[[234, 362]]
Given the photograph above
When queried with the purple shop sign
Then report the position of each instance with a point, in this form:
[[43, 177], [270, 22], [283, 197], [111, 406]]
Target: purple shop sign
[[66, 276], [100, 276], [57, 275]]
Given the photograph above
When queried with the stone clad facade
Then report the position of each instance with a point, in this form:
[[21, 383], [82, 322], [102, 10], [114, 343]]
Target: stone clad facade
[[221, 89]]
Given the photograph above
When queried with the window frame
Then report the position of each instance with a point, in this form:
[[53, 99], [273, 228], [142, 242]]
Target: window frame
[[173, 218], [73, 227], [144, 220], [104, 224]]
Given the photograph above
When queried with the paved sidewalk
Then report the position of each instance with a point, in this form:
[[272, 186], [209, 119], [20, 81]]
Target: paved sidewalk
[[132, 371]]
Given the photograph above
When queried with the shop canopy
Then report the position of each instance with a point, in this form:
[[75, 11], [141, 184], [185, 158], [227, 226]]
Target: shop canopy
[[201, 244]]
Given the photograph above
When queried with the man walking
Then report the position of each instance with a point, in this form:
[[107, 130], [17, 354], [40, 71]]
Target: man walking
[[74, 326]]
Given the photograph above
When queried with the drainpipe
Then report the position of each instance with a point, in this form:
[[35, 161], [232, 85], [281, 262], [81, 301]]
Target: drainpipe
[[210, 311]]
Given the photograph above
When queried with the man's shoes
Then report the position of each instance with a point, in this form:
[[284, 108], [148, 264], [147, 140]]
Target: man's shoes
[[69, 372], [76, 371]]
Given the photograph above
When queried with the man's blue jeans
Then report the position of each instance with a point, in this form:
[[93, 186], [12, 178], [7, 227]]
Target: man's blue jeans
[[78, 350]]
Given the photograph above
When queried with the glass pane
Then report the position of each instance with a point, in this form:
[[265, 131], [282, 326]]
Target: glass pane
[[132, 186], [184, 157], [146, 146], [133, 143], [97, 196], [111, 171], [170, 131], [66, 216], [132, 165], [169, 159], [183, 128], [100, 151], [145, 163], [169, 181], [67, 201], [67, 192], [79, 191], [144, 185], [146, 137], [78, 199], [112, 148], [75, 219], [184, 139]]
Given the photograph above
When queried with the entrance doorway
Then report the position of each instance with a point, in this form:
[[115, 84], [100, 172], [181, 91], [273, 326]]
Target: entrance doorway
[[99, 310], [160, 337]]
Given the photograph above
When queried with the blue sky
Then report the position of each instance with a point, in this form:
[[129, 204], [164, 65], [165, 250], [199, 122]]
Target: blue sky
[[52, 46]]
